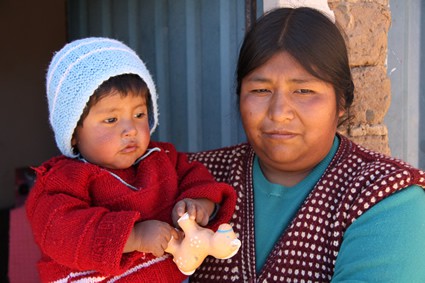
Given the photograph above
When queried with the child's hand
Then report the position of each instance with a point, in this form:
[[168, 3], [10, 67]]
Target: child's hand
[[198, 209], [151, 236]]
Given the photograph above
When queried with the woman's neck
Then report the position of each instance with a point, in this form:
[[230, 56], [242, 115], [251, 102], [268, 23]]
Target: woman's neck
[[289, 175], [284, 178]]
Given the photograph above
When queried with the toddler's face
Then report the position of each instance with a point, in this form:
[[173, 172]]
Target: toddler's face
[[115, 132]]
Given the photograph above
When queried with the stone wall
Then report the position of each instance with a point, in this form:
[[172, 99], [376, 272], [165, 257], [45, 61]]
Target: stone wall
[[366, 24]]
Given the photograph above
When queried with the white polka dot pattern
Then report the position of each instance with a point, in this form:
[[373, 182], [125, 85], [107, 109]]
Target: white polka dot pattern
[[355, 180]]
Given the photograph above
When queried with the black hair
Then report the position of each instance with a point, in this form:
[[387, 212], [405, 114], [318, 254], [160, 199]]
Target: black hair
[[123, 84], [309, 37]]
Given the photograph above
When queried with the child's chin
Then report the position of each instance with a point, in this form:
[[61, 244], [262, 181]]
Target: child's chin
[[118, 166]]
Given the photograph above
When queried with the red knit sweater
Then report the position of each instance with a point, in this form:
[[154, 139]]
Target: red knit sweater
[[81, 215], [355, 180]]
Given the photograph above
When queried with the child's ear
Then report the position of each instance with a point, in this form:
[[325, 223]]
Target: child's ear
[[74, 146], [74, 140]]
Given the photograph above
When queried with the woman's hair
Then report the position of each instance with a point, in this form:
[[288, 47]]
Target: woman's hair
[[308, 36], [123, 84]]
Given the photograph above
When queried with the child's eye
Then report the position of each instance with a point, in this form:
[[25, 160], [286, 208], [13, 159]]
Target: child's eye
[[110, 120], [140, 115]]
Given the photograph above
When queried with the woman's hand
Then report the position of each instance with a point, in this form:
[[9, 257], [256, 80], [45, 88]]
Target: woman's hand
[[151, 236], [198, 209]]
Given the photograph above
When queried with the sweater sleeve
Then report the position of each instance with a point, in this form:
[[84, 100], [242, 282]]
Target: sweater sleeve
[[71, 231], [195, 181], [386, 244]]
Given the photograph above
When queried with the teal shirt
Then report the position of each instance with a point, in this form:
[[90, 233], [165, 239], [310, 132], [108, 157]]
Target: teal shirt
[[385, 244]]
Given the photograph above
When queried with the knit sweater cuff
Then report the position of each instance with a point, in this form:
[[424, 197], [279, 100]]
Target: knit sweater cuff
[[106, 250]]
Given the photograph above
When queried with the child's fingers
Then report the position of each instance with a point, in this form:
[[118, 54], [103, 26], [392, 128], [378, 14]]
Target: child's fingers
[[175, 234], [191, 209], [180, 208], [158, 251], [201, 217]]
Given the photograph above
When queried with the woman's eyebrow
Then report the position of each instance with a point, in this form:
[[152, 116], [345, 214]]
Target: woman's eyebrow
[[305, 80], [257, 78], [302, 80]]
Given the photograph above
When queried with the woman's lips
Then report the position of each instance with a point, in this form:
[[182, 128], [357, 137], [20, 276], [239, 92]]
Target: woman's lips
[[280, 134]]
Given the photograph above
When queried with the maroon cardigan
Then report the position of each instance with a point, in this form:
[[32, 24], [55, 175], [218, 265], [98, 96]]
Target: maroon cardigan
[[354, 181]]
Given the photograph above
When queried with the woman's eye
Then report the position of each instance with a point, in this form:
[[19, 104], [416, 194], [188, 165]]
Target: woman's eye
[[260, 90], [304, 91], [110, 120]]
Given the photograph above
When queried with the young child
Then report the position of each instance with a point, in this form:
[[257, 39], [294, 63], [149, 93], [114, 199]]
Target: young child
[[103, 211]]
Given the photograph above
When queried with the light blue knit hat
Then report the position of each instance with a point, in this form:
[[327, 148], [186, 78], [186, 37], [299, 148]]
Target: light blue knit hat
[[77, 70]]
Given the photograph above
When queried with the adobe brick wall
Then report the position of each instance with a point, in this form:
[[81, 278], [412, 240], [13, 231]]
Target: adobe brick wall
[[366, 24]]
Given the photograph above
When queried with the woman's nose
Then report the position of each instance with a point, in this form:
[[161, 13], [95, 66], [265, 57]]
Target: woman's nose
[[281, 107]]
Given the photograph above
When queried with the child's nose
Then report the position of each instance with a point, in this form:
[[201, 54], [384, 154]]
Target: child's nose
[[129, 129]]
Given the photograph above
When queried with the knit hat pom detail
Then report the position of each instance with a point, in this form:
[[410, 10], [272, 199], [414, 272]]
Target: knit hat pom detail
[[77, 70]]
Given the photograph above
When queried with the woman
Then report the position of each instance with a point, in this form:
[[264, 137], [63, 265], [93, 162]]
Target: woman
[[312, 206]]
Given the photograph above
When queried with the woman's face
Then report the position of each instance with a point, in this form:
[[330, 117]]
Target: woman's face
[[289, 116]]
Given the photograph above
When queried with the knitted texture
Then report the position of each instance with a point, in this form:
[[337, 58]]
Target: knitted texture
[[77, 70], [81, 216], [355, 181]]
